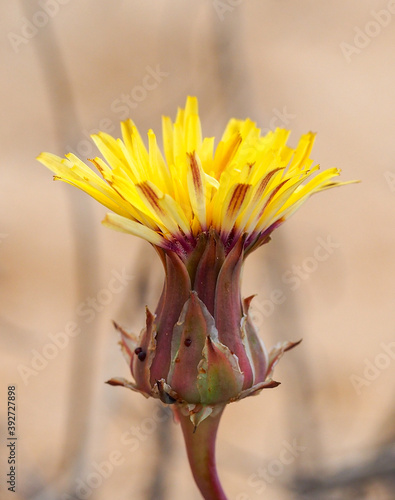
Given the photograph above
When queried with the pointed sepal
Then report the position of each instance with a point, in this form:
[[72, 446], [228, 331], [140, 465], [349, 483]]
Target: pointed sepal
[[228, 309], [144, 354], [277, 352], [189, 335], [128, 342], [122, 382], [220, 377], [253, 345]]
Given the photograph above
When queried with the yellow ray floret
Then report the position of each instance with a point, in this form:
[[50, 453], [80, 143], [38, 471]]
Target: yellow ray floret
[[248, 185]]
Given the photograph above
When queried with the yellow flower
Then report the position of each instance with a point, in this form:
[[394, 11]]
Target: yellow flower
[[204, 209], [249, 184]]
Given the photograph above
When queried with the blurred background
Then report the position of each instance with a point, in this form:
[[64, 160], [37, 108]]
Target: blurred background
[[71, 68]]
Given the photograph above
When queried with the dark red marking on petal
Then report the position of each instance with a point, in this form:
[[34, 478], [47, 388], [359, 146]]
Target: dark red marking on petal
[[197, 181], [265, 181], [238, 197], [273, 194], [151, 196]]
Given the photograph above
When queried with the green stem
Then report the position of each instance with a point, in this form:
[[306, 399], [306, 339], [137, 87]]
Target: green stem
[[200, 444]]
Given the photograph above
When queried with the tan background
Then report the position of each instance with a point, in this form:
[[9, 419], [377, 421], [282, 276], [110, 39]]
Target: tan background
[[261, 59]]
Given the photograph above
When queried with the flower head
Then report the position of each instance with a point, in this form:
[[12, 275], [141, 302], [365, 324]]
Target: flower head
[[247, 186], [204, 209]]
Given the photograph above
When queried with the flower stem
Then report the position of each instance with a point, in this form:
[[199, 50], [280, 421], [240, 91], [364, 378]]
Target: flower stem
[[200, 444]]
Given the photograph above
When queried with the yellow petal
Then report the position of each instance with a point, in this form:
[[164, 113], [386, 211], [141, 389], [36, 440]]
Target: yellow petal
[[124, 225], [196, 180], [235, 202]]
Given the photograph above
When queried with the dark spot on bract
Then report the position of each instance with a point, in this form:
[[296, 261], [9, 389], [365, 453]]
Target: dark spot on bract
[[141, 355], [138, 350], [187, 342]]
